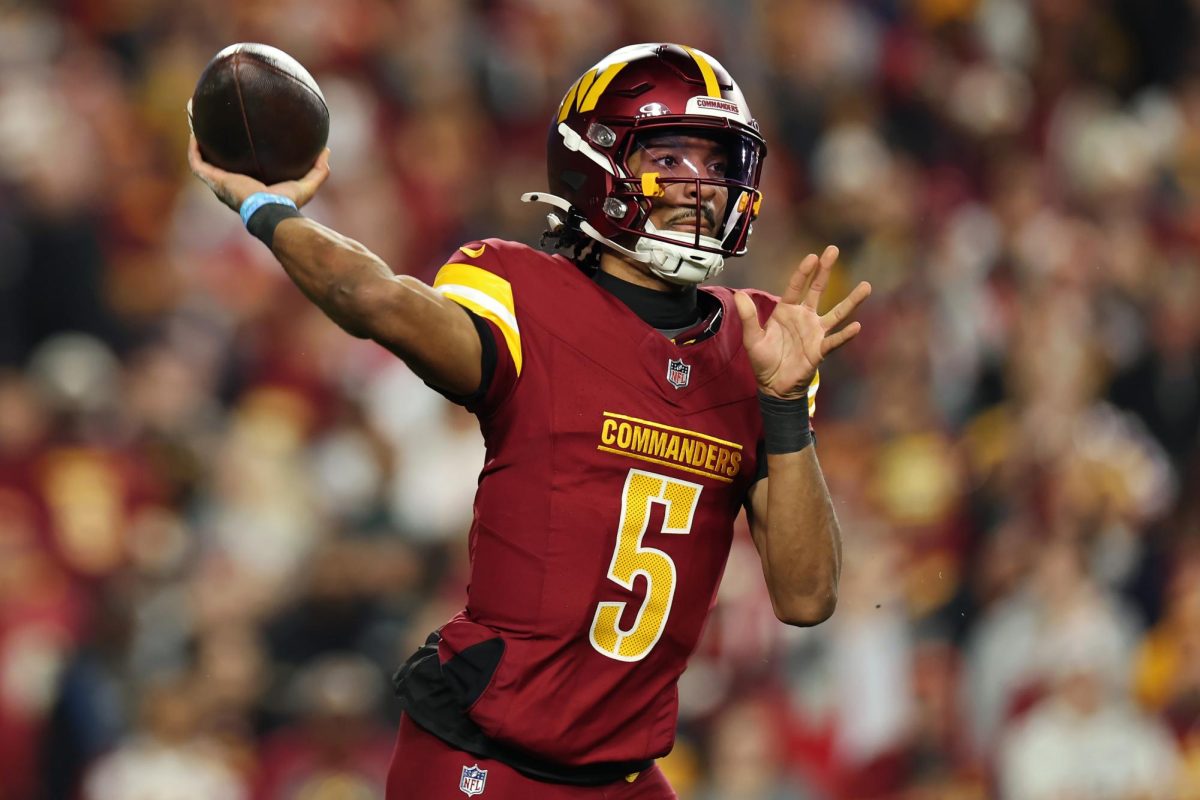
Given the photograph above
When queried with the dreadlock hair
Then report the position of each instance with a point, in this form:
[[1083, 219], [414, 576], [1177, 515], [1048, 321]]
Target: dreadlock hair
[[585, 251]]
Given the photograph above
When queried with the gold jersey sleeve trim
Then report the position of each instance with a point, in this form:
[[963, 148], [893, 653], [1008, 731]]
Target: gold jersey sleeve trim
[[488, 295]]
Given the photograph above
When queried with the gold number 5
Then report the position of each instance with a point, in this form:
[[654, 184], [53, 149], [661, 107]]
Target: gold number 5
[[631, 559]]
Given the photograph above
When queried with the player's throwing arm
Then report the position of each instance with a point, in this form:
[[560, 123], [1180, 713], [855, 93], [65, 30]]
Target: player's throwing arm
[[346, 280]]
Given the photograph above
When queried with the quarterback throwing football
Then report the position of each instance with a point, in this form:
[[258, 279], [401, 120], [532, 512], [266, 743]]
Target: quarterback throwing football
[[628, 416]]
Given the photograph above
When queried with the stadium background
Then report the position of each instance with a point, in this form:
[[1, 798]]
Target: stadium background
[[223, 521]]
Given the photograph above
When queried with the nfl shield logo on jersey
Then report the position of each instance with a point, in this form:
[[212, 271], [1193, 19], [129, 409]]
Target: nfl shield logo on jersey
[[678, 372], [473, 780]]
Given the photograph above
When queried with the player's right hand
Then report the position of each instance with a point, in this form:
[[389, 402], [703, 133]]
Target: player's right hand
[[232, 189]]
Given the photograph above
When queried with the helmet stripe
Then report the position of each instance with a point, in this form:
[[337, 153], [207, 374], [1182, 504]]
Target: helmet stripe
[[569, 100], [710, 78], [585, 83], [593, 96]]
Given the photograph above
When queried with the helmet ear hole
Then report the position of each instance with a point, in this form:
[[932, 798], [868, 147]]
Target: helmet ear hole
[[573, 179]]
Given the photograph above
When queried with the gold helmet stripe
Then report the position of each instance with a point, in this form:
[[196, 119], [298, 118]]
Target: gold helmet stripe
[[597, 88], [585, 83], [710, 78], [569, 99], [585, 92]]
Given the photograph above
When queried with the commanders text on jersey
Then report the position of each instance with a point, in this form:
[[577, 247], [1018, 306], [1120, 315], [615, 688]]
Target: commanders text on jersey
[[687, 450]]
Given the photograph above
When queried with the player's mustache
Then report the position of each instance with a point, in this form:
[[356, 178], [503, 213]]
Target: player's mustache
[[689, 215]]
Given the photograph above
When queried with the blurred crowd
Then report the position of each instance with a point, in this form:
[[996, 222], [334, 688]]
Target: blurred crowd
[[224, 522]]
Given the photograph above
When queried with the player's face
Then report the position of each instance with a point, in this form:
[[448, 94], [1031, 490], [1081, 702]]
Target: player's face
[[687, 156]]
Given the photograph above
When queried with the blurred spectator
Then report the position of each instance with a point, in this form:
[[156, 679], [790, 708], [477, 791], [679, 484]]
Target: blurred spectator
[[1083, 739], [167, 756], [95, 703], [336, 749], [1014, 651], [746, 756]]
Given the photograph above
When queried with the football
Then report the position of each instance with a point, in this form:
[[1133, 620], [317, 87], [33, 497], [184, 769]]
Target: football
[[257, 111]]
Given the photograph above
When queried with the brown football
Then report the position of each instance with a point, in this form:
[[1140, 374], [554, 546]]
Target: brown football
[[257, 112]]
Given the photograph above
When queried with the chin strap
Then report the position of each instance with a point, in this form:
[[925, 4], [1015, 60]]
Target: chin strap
[[679, 263], [672, 262]]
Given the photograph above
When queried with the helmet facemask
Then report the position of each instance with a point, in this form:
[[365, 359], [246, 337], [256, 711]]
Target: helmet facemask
[[685, 196]]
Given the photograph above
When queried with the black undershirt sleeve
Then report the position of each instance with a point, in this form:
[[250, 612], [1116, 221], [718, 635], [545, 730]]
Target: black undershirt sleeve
[[487, 364]]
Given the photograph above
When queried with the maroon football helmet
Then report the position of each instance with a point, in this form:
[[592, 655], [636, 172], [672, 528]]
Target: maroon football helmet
[[636, 99]]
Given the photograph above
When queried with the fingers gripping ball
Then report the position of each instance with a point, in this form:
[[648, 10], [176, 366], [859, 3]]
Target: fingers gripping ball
[[257, 112]]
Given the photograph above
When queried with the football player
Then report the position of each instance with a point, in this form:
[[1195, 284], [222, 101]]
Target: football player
[[628, 416]]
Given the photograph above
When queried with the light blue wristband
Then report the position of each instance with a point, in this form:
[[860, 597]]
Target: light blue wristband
[[259, 199]]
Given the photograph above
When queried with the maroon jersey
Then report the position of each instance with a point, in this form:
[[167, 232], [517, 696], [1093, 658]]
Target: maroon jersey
[[617, 461]]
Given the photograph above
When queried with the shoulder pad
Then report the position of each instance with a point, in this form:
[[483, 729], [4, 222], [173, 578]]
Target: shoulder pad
[[484, 253], [475, 278]]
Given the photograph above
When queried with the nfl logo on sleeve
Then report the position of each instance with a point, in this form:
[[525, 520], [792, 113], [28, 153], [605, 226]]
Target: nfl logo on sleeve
[[473, 780], [678, 372]]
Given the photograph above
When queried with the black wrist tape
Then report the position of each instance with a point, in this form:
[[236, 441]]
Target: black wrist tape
[[785, 424], [264, 221]]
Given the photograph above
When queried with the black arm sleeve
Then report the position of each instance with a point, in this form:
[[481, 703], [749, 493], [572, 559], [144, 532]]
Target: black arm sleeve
[[487, 364]]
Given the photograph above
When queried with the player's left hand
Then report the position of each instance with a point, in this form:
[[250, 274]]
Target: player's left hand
[[786, 352]]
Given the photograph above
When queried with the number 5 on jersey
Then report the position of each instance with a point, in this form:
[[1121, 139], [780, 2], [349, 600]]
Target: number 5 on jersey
[[631, 559]]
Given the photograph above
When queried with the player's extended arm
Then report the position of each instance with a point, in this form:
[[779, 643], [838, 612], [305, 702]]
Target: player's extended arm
[[356, 289], [791, 514]]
